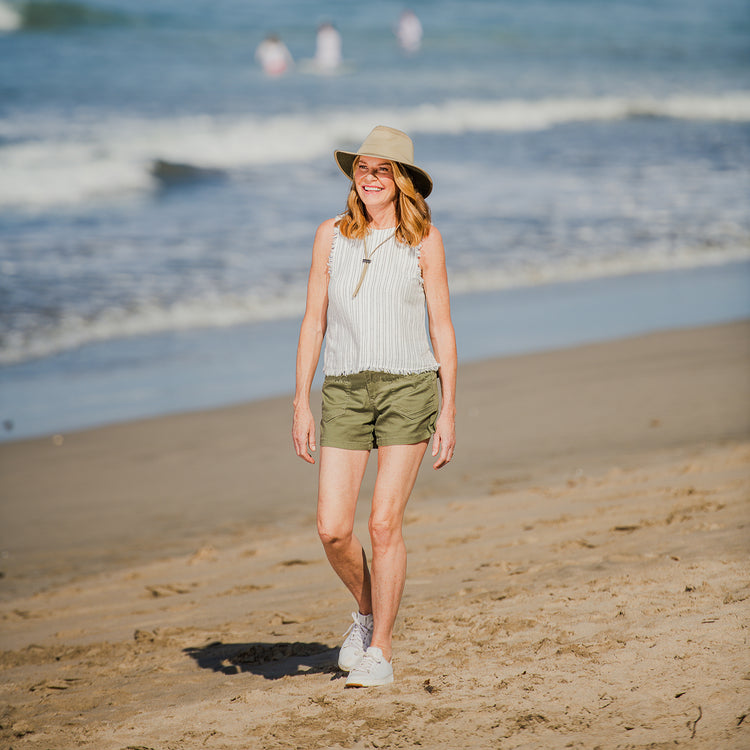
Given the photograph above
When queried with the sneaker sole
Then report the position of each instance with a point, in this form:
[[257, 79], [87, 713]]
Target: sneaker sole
[[370, 683]]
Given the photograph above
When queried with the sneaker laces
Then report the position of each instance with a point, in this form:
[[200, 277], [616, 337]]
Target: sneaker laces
[[356, 631], [369, 662]]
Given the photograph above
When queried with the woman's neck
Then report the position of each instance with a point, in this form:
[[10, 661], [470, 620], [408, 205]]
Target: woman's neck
[[383, 219]]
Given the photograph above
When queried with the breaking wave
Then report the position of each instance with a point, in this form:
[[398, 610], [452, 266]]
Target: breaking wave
[[65, 163], [43, 15], [71, 331]]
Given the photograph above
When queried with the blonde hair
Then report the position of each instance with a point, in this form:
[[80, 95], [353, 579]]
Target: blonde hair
[[412, 211]]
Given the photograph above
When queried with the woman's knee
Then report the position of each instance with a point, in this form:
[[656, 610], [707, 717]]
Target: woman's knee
[[334, 534], [384, 532]]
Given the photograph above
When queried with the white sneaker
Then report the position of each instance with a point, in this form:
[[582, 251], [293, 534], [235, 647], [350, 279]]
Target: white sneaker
[[371, 671], [358, 639]]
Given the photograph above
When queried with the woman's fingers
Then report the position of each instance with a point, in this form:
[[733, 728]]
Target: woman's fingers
[[303, 436], [445, 446]]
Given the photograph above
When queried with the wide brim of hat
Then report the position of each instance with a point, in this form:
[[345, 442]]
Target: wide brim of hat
[[422, 181]]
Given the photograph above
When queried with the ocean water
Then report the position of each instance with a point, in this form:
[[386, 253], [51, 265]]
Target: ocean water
[[159, 193]]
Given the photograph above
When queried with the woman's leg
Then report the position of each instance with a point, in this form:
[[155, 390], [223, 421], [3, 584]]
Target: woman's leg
[[398, 466], [341, 473]]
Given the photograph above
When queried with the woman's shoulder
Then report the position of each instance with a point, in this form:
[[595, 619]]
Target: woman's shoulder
[[433, 237], [325, 231], [431, 251], [432, 244], [328, 226]]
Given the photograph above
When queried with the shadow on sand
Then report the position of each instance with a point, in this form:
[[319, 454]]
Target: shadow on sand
[[270, 660]]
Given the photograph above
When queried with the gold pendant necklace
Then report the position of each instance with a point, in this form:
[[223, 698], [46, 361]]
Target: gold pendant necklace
[[367, 260]]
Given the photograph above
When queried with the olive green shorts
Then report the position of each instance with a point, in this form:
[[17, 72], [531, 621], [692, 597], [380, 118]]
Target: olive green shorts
[[369, 409]]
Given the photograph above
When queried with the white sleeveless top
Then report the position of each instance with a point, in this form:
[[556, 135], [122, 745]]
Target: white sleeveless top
[[383, 327]]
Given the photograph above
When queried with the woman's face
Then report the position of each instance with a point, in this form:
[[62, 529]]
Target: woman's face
[[373, 178]]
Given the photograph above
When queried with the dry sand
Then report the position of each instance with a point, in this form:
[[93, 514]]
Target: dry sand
[[577, 578]]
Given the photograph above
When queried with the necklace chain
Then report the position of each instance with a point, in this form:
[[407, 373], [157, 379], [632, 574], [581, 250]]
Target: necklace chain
[[368, 259]]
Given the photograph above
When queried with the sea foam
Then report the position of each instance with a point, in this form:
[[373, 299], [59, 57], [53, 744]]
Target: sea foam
[[10, 18], [66, 163], [71, 330]]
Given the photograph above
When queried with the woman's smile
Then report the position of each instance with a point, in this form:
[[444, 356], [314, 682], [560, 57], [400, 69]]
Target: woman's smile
[[374, 177]]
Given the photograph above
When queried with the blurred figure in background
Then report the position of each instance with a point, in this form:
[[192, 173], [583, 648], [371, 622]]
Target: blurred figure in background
[[273, 56], [409, 32], [328, 48]]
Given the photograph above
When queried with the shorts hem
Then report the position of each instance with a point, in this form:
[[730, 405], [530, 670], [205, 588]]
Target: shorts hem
[[345, 445], [404, 440]]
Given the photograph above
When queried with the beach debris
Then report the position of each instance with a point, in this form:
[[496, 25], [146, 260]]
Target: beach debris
[[627, 527], [63, 684], [58, 440], [691, 725], [428, 688], [296, 561]]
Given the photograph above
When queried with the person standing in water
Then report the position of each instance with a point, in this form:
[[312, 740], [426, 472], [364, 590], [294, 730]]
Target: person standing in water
[[328, 48], [409, 32], [274, 56], [374, 270]]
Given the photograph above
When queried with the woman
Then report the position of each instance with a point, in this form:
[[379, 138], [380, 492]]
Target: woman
[[373, 270]]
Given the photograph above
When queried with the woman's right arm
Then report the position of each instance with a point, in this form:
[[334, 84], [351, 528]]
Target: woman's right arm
[[311, 335]]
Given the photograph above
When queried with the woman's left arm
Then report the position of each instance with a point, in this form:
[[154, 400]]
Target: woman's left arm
[[443, 337]]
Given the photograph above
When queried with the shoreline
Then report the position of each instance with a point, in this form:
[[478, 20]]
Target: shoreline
[[182, 371]]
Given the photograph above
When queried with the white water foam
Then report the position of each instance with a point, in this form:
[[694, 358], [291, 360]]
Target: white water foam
[[73, 331], [97, 159], [10, 18]]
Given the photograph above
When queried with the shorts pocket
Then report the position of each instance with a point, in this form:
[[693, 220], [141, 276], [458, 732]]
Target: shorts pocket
[[330, 415], [420, 398], [335, 398]]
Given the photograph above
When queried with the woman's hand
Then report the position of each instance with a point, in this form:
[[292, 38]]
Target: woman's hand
[[444, 440], [303, 433]]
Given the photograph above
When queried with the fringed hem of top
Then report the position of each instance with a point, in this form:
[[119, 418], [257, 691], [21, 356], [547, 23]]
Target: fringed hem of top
[[401, 371]]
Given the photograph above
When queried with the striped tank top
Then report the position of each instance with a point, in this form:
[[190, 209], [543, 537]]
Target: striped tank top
[[382, 328]]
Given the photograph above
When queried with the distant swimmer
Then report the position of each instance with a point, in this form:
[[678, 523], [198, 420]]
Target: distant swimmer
[[409, 32], [273, 56], [327, 48]]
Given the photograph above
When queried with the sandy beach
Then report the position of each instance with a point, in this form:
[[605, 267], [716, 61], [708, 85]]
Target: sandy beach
[[578, 577]]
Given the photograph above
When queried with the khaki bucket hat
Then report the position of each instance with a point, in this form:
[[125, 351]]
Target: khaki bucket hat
[[387, 143]]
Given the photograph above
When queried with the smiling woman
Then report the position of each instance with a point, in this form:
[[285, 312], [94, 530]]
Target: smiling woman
[[374, 181], [381, 389]]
